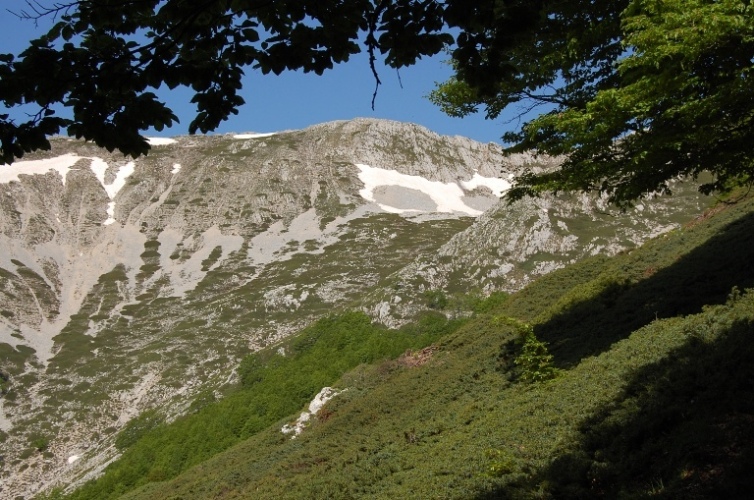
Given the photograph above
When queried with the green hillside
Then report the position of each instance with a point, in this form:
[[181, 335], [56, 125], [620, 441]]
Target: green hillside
[[649, 391]]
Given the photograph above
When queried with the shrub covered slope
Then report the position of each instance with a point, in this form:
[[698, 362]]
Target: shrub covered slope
[[649, 391]]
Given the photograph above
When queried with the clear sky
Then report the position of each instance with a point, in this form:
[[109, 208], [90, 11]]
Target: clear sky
[[297, 100]]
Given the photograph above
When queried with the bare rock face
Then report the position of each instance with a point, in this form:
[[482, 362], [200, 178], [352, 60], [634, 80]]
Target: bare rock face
[[127, 285]]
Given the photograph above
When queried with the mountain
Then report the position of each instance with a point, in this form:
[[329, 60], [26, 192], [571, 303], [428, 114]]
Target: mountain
[[132, 285]]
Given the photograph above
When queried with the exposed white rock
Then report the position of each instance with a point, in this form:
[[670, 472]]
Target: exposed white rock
[[184, 276]]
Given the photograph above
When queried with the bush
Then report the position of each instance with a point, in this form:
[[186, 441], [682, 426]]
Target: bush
[[436, 299], [534, 361], [40, 443]]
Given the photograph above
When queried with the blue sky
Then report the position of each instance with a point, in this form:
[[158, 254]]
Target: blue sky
[[297, 100]]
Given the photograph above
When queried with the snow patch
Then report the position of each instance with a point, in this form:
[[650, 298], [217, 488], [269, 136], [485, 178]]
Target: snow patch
[[110, 214], [176, 168], [160, 141], [325, 395], [497, 186], [120, 179], [253, 135], [72, 459], [99, 167], [448, 197], [61, 164]]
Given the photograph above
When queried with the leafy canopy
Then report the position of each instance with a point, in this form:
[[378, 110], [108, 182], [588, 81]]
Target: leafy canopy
[[633, 92], [636, 92], [104, 58]]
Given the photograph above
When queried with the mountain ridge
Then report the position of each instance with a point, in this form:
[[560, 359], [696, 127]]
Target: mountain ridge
[[220, 246]]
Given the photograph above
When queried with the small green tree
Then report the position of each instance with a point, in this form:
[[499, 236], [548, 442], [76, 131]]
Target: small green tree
[[533, 361]]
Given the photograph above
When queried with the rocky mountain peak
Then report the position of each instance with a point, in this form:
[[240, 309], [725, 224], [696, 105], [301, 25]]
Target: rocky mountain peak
[[134, 284]]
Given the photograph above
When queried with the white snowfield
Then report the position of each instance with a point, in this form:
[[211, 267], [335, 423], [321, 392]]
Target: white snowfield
[[448, 197], [325, 395], [445, 197], [253, 135], [62, 165], [160, 141], [497, 186], [99, 167]]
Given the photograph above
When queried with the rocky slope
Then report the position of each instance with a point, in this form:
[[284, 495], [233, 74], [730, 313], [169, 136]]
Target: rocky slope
[[127, 285]]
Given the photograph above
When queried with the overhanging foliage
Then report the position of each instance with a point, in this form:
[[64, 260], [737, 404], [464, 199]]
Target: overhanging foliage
[[637, 92], [104, 59]]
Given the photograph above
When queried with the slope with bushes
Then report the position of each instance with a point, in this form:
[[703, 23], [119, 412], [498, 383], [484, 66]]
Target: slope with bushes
[[648, 393]]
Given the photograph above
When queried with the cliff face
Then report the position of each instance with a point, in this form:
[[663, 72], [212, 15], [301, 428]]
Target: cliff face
[[130, 284]]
